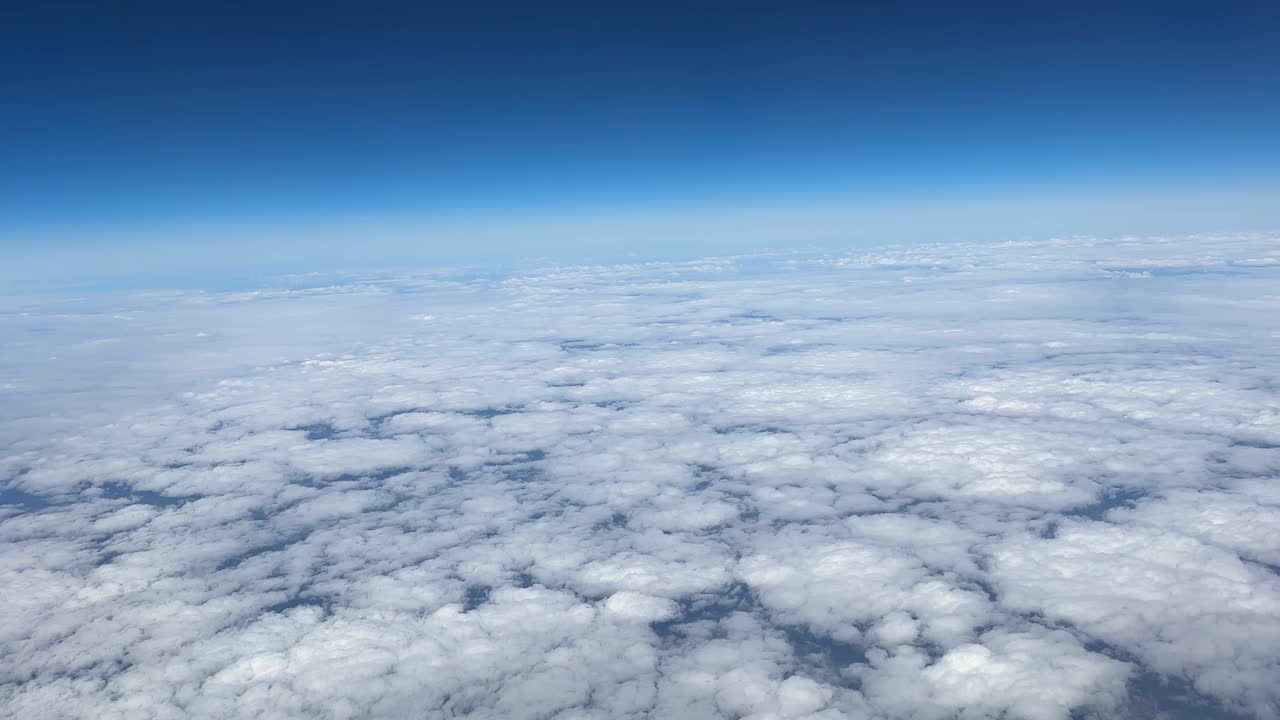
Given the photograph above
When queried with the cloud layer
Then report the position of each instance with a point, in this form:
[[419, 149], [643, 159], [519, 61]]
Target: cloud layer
[[1036, 480]]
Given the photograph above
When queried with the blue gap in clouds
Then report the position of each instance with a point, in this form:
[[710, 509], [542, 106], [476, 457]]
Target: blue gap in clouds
[[476, 596], [1168, 697], [1116, 498], [116, 490], [296, 602], [24, 500], [825, 655], [317, 431]]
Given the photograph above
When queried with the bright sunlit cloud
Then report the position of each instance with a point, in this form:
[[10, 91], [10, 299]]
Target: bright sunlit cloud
[[1027, 480]]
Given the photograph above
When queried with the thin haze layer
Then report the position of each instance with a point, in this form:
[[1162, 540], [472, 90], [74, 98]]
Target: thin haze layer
[[1034, 480]]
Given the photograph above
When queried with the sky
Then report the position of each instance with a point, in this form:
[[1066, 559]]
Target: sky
[[638, 361], [158, 142]]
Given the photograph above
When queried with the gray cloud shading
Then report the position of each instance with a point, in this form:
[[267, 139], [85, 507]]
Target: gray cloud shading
[[1030, 480]]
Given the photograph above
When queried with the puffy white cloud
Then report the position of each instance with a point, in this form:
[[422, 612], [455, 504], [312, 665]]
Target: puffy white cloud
[[1180, 606], [1241, 522], [636, 606], [1033, 674], [835, 587], [992, 462], [1028, 480]]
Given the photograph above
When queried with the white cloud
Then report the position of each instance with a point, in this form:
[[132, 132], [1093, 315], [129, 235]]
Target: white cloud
[[1011, 487], [1181, 607], [1034, 675], [635, 606]]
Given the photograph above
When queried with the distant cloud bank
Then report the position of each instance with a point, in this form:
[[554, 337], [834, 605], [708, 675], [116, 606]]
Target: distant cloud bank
[[1027, 480]]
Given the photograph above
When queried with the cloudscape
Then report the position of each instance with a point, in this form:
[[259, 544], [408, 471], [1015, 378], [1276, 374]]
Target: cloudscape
[[639, 361], [1027, 480]]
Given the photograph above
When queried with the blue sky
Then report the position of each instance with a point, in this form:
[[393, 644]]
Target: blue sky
[[301, 135], [254, 462]]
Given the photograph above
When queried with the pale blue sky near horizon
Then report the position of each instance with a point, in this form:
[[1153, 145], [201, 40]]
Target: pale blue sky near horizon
[[233, 253], [152, 145]]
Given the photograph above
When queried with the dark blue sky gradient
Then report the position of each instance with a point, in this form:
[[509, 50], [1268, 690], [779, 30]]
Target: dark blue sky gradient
[[120, 114]]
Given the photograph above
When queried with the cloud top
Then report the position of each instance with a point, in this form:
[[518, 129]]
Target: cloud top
[[1029, 480]]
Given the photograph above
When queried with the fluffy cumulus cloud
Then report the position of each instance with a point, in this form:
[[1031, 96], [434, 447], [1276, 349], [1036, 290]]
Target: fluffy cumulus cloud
[[1034, 481]]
